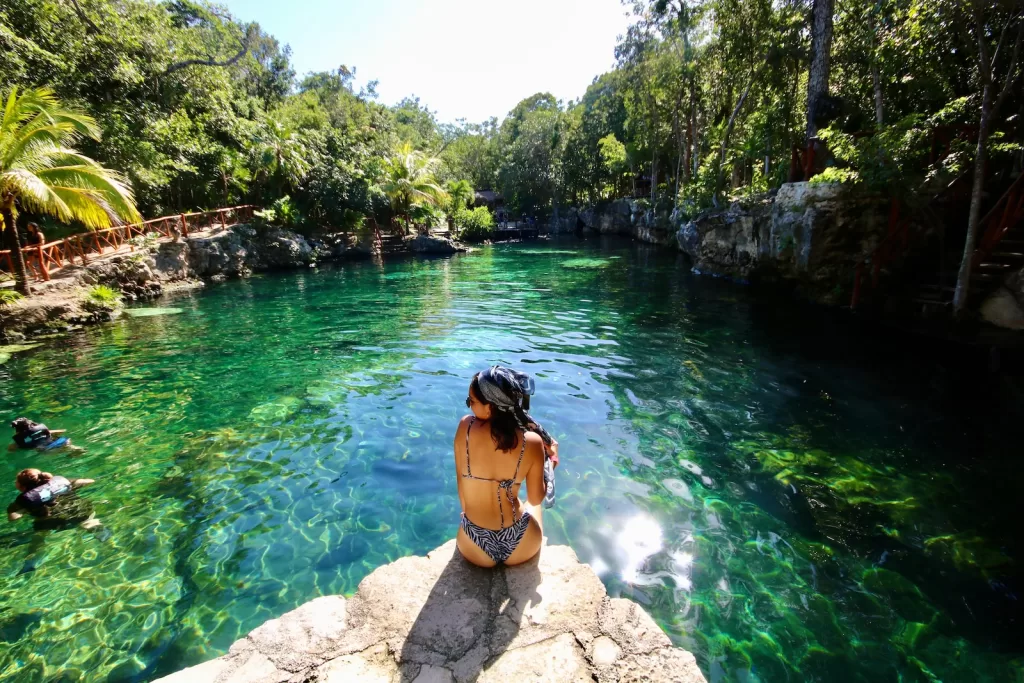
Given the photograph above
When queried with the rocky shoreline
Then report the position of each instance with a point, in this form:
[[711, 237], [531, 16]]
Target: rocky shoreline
[[806, 236], [439, 619], [175, 265]]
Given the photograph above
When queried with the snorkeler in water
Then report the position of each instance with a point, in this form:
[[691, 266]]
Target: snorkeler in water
[[51, 500], [29, 434]]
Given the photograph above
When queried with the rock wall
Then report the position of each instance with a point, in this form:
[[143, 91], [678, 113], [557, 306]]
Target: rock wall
[[439, 619], [809, 234], [627, 217]]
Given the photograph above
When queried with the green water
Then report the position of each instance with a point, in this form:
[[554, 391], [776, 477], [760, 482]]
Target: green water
[[791, 497]]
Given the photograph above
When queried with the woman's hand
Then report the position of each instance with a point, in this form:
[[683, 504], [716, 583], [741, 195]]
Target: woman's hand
[[552, 451]]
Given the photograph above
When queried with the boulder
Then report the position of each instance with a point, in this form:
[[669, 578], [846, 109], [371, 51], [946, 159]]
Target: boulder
[[432, 244], [284, 249], [1005, 306], [440, 619]]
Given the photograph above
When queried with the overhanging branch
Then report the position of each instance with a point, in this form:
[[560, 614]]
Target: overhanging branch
[[210, 61]]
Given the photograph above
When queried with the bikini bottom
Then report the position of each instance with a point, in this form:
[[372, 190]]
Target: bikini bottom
[[498, 544]]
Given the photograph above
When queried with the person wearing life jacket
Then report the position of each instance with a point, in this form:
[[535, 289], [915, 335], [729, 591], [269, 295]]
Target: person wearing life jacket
[[43, 493], [29, 434]]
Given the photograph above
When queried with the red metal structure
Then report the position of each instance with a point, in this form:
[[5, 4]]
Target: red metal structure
[[43, 259]]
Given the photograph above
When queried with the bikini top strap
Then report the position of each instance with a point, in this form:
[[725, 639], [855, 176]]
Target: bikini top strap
[[520, 462], [469, 470]]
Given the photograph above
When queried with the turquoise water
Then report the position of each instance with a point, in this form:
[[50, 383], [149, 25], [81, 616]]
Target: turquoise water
[[791, 497]]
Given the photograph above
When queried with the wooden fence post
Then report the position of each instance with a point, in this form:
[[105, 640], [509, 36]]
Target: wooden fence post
[[184, 226], [42, 263]]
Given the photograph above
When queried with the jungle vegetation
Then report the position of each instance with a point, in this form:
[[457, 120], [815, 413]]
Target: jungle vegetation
[[710, 101]]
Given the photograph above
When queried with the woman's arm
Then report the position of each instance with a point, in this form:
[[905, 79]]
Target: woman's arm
[[459, 450], [79, 483], [535, 475]]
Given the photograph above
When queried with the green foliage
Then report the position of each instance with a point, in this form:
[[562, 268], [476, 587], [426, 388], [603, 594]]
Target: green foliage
[[147, 242], [286, 213], [100, 299], [9, 296], [833, 174], [460, 194], [474, 225], [409, 182], [663, 124], [264, 218]]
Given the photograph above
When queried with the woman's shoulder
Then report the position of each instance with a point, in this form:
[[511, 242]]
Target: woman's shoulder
[[534, 442]]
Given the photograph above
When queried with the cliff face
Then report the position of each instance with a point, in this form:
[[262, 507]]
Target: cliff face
[[438, 618], [812, 235]]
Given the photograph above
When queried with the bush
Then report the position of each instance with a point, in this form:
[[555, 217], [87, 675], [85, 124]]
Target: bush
[[474, 225], [147, 242], [264, 218], [101, 299], [287, 212], [9, 296]]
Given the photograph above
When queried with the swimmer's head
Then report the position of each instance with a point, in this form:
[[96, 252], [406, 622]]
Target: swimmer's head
[[22, 424], [30, 478]]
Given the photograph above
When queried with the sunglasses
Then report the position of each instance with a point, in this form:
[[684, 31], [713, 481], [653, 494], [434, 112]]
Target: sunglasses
[[469, 401]]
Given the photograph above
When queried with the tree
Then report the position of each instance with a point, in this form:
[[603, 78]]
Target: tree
[[40, 171], [821, 56], [409, 181], [460, 195], [991, 102], [282, 156]]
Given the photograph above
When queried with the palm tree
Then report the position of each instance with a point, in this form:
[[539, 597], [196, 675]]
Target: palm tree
[[409, 181], [460, 194], [283, 153], [41, 172]]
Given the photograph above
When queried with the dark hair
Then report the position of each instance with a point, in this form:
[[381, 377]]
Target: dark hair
[[31, 226], [23, 424], [504, 423], [31, 478]]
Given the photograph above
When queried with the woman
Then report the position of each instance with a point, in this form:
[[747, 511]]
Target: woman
[[494, 455], [35, 235], [51, 500]]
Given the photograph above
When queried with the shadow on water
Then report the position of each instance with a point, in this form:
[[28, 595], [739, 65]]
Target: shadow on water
[[470, 617]]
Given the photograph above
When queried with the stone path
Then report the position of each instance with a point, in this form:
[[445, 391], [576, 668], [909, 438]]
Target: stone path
[[438, 619]]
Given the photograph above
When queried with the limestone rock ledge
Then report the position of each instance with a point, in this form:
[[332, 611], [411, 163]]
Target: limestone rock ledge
[[439, 619]]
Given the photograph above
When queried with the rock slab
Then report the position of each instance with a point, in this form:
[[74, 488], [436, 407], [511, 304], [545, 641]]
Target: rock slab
[[439, 619]]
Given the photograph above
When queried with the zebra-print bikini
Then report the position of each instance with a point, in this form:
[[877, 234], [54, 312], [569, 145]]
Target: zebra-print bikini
[[501, 543]]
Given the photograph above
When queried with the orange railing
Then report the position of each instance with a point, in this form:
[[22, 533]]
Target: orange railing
[[43, 259]]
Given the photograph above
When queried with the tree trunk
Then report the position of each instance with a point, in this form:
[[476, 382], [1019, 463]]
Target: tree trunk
[[990, 105], [963, 278], [821, 54], [688, 148], [876, 78], [879, 112], [729, 127], [17, 258]]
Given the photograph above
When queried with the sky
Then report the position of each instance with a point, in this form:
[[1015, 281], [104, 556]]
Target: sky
[[462, 58]]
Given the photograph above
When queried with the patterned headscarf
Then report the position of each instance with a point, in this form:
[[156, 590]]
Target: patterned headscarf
[[504, 388]]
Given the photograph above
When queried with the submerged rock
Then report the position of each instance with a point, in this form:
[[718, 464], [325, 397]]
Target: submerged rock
[[439, 618]]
